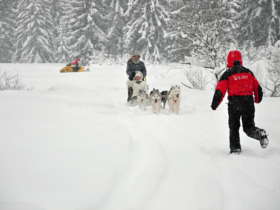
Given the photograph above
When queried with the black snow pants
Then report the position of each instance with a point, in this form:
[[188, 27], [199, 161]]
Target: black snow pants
[[76, 67], [241, 107]]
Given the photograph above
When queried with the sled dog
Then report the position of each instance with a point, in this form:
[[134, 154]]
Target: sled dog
[[143, 99], [174, 99], [155, 98]]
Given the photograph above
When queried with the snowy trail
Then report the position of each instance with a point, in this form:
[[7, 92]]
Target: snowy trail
[[146, 172], [70, 142], [189, 173]]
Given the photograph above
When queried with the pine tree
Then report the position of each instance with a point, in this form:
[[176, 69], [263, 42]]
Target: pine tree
[[208, 27], [147, 32], [34, 31], [7, 30], [259, 23], [274, 71], [60, 20], [178, 46], [115, 46], [87, 34]]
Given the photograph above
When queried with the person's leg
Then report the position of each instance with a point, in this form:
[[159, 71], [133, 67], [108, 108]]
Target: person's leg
[[234, 125], [248, 122]]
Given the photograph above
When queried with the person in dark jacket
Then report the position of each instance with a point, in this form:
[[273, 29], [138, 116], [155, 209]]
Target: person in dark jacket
[[243, 90], [133, 65]]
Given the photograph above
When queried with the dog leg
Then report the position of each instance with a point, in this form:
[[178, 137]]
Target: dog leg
[[159, 107], [177, 107]]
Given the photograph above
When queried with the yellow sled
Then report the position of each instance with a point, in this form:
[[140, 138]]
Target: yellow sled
[[70, 69]]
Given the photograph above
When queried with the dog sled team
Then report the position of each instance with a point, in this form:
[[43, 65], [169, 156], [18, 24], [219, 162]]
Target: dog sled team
[[138, 90], [238, 82]]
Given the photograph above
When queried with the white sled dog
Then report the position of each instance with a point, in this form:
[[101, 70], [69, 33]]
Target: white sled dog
[[138, 86], [174, 99], [143, 99], [155, 98]]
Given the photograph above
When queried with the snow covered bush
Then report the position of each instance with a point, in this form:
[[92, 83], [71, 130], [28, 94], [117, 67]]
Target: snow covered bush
[[10, 81], [208, 45], [253, 54], [273, 84], [198, 78]]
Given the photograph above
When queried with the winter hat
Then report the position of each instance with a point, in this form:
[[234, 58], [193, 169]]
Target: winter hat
[[135, 55], [233, 57]]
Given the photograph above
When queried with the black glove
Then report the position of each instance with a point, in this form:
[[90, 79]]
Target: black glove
[[213, 107], [218, 97]]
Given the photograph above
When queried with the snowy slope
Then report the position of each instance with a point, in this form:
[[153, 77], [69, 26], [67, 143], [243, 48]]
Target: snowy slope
[[70, 142]]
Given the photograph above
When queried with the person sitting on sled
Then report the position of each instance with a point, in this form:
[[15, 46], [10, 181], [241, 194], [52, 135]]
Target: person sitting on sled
[[133, 65], [75, 64], [243, 90]]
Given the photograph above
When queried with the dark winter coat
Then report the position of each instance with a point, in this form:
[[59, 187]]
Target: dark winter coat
[[241, 85], [133, 67]]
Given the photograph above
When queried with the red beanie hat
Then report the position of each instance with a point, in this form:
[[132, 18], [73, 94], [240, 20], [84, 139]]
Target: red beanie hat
[[234, 55]]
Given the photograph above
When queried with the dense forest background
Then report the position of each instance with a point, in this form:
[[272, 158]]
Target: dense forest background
[[161, 31]]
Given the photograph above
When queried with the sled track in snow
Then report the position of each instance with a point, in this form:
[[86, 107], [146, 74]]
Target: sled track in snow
[[143, 177]]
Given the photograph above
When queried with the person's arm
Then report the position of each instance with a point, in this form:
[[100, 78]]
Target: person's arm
[[220, 91], [144, 71], [128, 71], [258, 93]]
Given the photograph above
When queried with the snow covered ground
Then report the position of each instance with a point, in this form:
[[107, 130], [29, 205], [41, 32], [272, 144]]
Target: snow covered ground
[[70, 142]]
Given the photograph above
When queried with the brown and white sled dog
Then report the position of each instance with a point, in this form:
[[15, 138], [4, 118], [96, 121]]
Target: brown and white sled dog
[[174, 99], [155, 98], [138, 86]]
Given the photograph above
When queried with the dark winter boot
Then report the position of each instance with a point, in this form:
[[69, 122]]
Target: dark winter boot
[[263, 140], [236, 151], [130, 93]]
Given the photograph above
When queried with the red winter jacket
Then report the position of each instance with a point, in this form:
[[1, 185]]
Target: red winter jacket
[[237, 81]]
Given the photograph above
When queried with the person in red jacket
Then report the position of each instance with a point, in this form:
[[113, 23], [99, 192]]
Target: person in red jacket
[[75, 63], [243, 90]]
